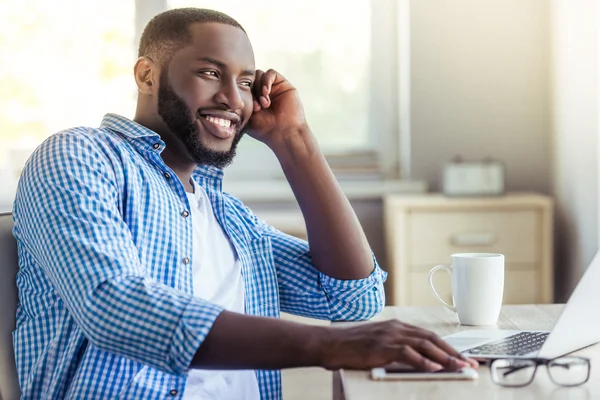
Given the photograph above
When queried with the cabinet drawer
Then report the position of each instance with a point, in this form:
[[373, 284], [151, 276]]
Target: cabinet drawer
[[433, 236], [520, 287]]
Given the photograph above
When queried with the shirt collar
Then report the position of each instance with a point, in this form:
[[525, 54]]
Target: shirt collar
[[127, 127], [148, 140], [204, 171]]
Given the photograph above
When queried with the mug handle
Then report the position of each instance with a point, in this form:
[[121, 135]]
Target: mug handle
[[437, 296]]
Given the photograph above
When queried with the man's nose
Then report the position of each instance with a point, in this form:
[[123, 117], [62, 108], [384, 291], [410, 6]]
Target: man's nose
[[229, 95]]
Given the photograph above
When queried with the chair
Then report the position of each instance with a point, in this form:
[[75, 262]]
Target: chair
[[9, 384]]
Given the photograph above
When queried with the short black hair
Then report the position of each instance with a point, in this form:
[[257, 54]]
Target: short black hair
[[168, 31]]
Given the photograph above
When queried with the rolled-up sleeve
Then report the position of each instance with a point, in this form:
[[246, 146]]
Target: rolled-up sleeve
[[367, 293], [68, 220], [305, 291]]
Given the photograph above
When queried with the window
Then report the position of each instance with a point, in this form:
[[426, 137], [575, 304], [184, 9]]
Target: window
[[63, 63], [66, 63]]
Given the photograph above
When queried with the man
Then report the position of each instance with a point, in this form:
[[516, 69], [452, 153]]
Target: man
[[139, 278]]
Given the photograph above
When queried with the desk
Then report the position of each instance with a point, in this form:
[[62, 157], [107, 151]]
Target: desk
[[356, 385]]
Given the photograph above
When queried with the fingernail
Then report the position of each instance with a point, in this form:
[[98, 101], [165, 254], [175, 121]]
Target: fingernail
[[472, 363], [435, 366]]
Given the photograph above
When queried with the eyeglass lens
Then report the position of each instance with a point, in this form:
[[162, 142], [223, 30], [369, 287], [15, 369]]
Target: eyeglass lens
[[513, 372], [569, 371], [564, 371]]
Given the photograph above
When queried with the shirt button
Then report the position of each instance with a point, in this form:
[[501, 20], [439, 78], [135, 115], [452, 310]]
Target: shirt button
[[186, 260], [156, 146], [167, 175], [173, 392], [185, 214]]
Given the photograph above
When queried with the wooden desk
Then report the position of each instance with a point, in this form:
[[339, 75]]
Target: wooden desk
[[357, 385]]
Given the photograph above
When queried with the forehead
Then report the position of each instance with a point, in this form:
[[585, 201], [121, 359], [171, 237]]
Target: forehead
[[226, 43]]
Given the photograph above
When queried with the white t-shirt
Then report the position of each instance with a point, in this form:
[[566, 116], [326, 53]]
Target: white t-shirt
[[217, 278]]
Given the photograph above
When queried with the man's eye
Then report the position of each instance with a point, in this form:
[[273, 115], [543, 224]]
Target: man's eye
[[246, 83], [209, 73]]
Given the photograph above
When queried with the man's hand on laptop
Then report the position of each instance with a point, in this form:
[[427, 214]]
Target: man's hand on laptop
[[378, 344]]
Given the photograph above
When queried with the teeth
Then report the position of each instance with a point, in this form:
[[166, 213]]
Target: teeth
[[226, 123]]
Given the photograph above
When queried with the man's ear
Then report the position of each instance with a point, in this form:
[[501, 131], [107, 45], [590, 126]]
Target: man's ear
[[146, 75]]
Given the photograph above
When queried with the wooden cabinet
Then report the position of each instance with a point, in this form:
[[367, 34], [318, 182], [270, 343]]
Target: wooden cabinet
[[425, 230]]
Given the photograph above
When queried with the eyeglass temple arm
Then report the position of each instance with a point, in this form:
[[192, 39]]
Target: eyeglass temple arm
[[515, 369], [537, 362]]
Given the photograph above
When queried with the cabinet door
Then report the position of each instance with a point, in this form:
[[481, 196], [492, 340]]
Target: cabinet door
[[522, 287]]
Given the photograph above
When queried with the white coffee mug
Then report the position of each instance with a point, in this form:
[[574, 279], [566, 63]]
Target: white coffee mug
[[477, 287]]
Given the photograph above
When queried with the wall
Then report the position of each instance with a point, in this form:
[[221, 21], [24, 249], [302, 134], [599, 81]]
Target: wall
[[479, 87], [575, 137]]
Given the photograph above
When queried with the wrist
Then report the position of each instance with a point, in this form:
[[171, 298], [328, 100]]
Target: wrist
[[291, 140], [294, 147], [320, 345]]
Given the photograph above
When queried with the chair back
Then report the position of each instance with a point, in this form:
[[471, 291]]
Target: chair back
[[9, 265]]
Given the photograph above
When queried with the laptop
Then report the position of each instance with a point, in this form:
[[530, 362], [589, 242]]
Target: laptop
[[578, 326]]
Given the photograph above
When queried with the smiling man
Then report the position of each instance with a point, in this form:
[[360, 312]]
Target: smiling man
[[141, 279]]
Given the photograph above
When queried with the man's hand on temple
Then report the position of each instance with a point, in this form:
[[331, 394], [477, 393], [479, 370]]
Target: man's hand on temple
[[278, 110]]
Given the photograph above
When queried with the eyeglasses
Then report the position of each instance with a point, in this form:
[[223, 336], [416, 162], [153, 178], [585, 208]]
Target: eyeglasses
[[518, 372]]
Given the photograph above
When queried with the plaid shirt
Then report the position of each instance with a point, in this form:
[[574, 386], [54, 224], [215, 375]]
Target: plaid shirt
[[106, 308]]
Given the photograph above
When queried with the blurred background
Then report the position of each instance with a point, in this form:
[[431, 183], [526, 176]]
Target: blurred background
[[393, 90]]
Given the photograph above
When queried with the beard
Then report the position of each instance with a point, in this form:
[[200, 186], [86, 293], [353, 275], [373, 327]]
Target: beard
[[180, 120]]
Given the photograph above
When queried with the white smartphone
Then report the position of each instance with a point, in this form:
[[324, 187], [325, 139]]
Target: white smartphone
[[392, 373]]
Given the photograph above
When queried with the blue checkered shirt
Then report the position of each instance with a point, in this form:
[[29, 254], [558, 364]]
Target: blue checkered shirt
[[106, 309]]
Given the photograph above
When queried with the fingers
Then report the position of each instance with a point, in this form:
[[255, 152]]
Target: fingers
[[442, 344], [262, 88], [410, 356], [268, 80], [431, 352], [445, 347], [257, 89], [435, 348]]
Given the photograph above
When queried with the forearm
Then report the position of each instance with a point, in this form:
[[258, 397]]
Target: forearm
[[238, 341], [337, 242]]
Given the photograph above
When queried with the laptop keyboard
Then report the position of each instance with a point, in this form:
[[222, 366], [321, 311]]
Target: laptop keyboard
[[518, 344]]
